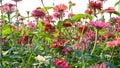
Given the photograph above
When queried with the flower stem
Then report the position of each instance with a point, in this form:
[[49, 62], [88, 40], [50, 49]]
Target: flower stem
[[96, 37], [44, 7]]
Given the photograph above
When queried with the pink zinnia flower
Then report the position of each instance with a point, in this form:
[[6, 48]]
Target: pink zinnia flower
[[38, 13], [113, 43], [66, 50], [110, 9], [60, 8], [8, 7], [102, 0], [99, 65], [57, 15], [29, 45], [99, 24], [70, 15], [31, 25], [61, 63]]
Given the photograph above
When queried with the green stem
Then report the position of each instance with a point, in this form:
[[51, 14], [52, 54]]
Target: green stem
[[96, 37], [9, 20], [44, 7], [112, 53], [28, 62], [61, 18], [28, 14]]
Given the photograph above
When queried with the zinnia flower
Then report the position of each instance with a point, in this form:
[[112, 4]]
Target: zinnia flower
[[29, 45], [38, 13], [95, 5], [66, 50], [100, 65], [89, 11], [24, 39], [60, 8], [83, 28], [99, 24], [61, 63], [113, 43], [110, 9], [57, 15], [31, 25], [8, 7], [49, 28]]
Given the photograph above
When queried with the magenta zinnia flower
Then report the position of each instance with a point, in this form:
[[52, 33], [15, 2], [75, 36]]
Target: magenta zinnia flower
[[99, 24], [61, 63], [38, 13]]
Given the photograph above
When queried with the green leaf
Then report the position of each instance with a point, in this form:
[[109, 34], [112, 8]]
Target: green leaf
[[46, 8], [22, 32], [118, 2], [80, 16], [6, 29], [67, 20], [56, 34], [116, 13], [59, 25], [89, 17], [8, 58], [40, 25], [109, 65], [78, 53]]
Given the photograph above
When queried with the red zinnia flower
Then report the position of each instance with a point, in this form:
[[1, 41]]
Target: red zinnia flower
[[82, 29], [49, 28], [24, 39], [95, 5], [53, 46], [89, 11]]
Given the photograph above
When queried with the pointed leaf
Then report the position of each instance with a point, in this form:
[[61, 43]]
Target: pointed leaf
[[118, 2], [116, 13]]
